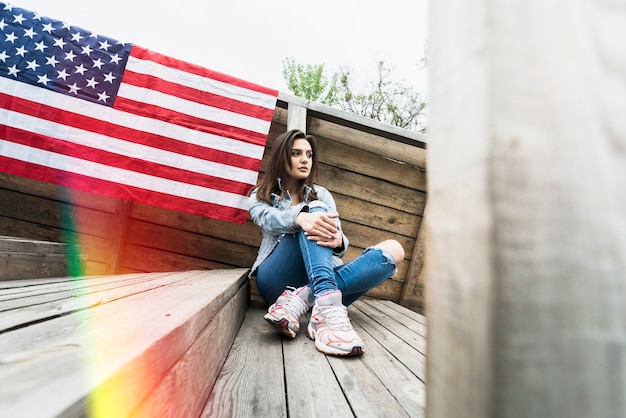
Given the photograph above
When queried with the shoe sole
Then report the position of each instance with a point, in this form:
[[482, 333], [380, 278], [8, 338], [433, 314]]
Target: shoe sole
[[282, 325], [357, 350]]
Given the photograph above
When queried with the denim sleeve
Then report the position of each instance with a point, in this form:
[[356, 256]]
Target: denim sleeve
[[341, 251], [273, 220]]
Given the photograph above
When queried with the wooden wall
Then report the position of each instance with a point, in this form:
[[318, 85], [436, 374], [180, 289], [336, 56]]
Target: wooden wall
[[376, 173]]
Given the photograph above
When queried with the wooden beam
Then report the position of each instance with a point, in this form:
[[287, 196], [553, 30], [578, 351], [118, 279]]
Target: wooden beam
[[409, 154], [357, 122], [22, 258]]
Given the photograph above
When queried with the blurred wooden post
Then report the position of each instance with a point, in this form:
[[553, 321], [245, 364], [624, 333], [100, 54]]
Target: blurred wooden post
[[296, 117], [526, 226]]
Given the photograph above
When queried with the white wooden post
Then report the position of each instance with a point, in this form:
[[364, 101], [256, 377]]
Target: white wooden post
[[296, 117], [526, 226]]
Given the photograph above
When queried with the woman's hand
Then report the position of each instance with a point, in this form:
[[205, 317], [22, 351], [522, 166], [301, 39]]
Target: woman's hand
[[319, 227]]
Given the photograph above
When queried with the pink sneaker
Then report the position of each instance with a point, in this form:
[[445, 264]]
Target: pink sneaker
[[331, 329], [285, 313]]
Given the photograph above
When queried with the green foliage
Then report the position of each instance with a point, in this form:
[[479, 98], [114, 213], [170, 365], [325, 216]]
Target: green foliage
[[310, 82], [381, 99], [384, 100]]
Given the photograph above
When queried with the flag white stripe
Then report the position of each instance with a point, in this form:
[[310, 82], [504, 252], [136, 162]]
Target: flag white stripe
[[140, 123], [125, 148], [118, 175], [201, 83], [193, 109]]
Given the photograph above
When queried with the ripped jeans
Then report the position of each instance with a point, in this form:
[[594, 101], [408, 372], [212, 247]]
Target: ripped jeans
[[296, 261]]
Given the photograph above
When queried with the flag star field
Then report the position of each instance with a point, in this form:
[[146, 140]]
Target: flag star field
[[63, 58]]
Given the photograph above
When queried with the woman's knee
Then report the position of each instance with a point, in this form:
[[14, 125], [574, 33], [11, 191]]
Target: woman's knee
[[392, 247]]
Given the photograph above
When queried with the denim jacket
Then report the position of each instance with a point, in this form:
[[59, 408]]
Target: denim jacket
[[279, 219]]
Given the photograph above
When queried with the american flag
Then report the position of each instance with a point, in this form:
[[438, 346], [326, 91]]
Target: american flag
[[88, 112]]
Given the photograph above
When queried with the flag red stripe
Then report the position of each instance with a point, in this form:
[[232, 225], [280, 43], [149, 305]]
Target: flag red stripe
[[143, 53], [98, 126], [190, 122], [93, 185], [82, 152], [195, 95]]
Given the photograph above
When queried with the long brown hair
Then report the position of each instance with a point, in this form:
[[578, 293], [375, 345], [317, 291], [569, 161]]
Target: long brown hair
[[281, 155]]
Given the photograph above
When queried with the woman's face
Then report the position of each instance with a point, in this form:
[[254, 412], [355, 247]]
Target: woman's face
[[301, 160]]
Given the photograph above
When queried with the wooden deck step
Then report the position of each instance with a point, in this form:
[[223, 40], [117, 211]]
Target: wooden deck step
[[268, 375], [22, 258], [137, 344]]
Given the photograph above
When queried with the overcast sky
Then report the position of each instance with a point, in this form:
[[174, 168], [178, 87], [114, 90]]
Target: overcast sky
[[249, 39]]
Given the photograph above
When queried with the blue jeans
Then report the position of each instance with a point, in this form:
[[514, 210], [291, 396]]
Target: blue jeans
[[296, 262]]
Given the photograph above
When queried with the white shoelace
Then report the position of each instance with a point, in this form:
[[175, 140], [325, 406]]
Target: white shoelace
[[337, 317], [294, 304]]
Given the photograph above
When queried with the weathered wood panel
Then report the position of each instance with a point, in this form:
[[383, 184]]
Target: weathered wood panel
[[374, 143], [352, 129], [248, 234], [159, 237], [357, 160], [372, 189], [44, 211], [376, 216], [137, 259], [26, 259], [54, 213]]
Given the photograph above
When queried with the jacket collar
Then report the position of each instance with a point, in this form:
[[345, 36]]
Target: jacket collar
[[307, 189]]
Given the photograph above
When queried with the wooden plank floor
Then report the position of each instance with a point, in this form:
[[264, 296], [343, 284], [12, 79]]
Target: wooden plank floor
[[145, 344], [268, 375]]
